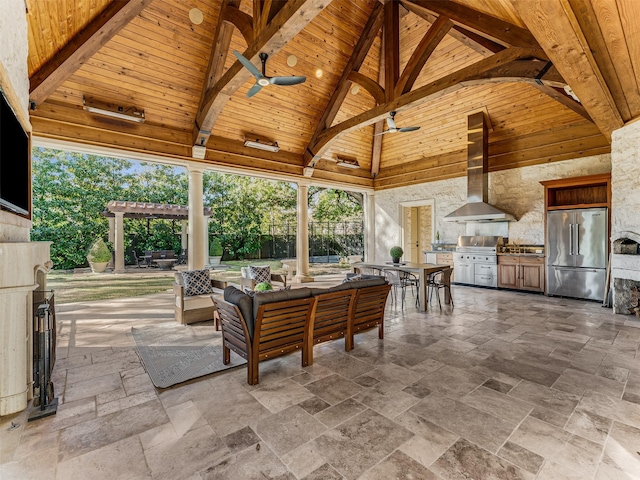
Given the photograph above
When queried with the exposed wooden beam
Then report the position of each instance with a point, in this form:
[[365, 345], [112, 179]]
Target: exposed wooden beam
[[371, 86], [287, 23], [82, 46], [474, 41], [498, 30], [558, 31], [588, 20], [240, 20], [562, 98], [378, 127], [422, 53], [358, 55], [391, 48], [505, 66]]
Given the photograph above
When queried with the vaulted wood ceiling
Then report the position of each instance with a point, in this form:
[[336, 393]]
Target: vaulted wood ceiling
[[431, 61]]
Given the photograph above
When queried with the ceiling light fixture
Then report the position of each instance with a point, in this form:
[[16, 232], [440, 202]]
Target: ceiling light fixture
[[262, 145], [196, 16], [347, 162], [292, 60], [131, 114]]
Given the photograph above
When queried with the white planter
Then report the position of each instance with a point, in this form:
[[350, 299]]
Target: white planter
[[215, 260], [98, 267]]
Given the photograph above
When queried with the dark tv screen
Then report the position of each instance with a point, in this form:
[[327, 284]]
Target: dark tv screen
[[15, 173]]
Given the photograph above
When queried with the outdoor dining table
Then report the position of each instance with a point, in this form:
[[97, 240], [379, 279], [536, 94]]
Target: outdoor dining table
[[422, 270]]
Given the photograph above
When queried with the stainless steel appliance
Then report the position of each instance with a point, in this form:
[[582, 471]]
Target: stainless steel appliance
[[577, 252], [475, 261]]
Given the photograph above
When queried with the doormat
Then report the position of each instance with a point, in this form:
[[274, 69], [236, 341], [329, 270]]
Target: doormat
[[174, 353]]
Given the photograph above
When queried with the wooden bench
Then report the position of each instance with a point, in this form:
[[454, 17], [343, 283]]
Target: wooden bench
[[277, 323]]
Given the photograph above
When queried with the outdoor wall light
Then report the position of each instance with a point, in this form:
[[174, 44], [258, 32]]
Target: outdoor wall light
[[131, 114], [347, 162], [262, 145]]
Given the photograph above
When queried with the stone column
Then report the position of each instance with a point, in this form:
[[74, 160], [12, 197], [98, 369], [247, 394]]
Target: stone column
[[196, 218], [302, 236], [184, 236], [119, 243], [206, 239], [112, 236], [370, 227]]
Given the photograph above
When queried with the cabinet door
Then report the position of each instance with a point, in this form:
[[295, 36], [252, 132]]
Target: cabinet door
[[532, 277], [508, 275]]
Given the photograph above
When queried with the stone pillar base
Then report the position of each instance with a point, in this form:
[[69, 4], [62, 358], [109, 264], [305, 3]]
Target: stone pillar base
[[303, 279]]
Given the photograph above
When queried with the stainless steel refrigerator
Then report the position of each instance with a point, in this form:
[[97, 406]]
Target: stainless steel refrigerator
[[577, 252]]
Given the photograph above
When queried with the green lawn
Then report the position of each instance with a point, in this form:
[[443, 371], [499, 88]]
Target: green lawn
[[72, 287]]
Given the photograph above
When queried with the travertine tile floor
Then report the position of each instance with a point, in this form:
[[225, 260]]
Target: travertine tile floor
[[505, 385]]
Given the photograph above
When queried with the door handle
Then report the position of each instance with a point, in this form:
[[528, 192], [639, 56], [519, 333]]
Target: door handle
[[577, 235], [571, 239]]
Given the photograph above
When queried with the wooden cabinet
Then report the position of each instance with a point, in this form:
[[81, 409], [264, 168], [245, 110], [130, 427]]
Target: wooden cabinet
[[521, 272], [578, 192]]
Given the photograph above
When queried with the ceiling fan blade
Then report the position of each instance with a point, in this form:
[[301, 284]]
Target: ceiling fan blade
[[408, 129], [292, 80], [383, 132], [253, 90], [248, 65], [391, 123]]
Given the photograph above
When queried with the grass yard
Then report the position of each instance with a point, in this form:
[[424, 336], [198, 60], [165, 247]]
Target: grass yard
[[70, 287]]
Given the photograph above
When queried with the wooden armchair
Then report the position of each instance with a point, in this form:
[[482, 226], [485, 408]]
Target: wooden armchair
[[368, 312], [195, 308], [280, 327]]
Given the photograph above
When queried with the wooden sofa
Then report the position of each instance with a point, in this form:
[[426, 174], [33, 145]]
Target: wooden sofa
[[276, 323], [195, 308]]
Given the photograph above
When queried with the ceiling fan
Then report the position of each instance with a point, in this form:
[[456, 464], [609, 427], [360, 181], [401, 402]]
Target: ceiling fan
[[261, 78], [392, 128]]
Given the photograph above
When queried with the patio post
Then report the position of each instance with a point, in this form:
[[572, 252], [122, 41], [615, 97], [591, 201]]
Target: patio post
[[302, 236], [370, 227], [184, 236], [119, 242], [112, 237], [196, 218], [206, 238]]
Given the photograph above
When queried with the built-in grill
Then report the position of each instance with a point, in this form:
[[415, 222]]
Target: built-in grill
[[476, 260]]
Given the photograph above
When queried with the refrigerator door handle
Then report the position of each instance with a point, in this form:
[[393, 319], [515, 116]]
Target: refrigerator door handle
[[571, 239], [577, 235]]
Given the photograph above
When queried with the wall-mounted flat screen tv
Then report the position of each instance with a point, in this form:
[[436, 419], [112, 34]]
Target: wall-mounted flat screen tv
[[15, 168]]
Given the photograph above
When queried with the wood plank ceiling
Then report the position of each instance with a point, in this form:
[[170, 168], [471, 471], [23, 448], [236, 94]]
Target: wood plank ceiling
[[433, 62]]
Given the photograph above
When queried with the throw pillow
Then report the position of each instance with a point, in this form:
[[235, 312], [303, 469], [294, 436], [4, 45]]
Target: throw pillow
[[197, 282], [260, 274]]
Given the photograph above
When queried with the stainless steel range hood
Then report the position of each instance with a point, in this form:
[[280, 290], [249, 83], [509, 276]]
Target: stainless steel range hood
[[477, 209]]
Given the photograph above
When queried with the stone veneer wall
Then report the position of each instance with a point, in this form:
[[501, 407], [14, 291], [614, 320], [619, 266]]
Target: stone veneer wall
[[517, 191], [15, 47], [625, 205]]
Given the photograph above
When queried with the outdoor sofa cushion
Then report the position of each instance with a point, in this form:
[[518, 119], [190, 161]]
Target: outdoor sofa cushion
[[260, 274], [369, 282], [244, 302], [197, 282]]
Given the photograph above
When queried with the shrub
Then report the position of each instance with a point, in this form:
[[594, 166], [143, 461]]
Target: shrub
[[396, 252], [99, 252], [215, 247]]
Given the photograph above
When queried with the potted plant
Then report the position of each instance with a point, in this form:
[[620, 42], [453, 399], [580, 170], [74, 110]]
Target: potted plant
[[263, 287], [396, 252], [98, 256], [215, 251]]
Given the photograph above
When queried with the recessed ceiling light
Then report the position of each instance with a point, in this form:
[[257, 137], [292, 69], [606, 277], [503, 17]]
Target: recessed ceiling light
[[319, 73], [292, 60], [355, 89], [196, 16]]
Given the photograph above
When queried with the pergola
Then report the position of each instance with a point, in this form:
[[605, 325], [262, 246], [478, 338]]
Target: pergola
[[117, 210]]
